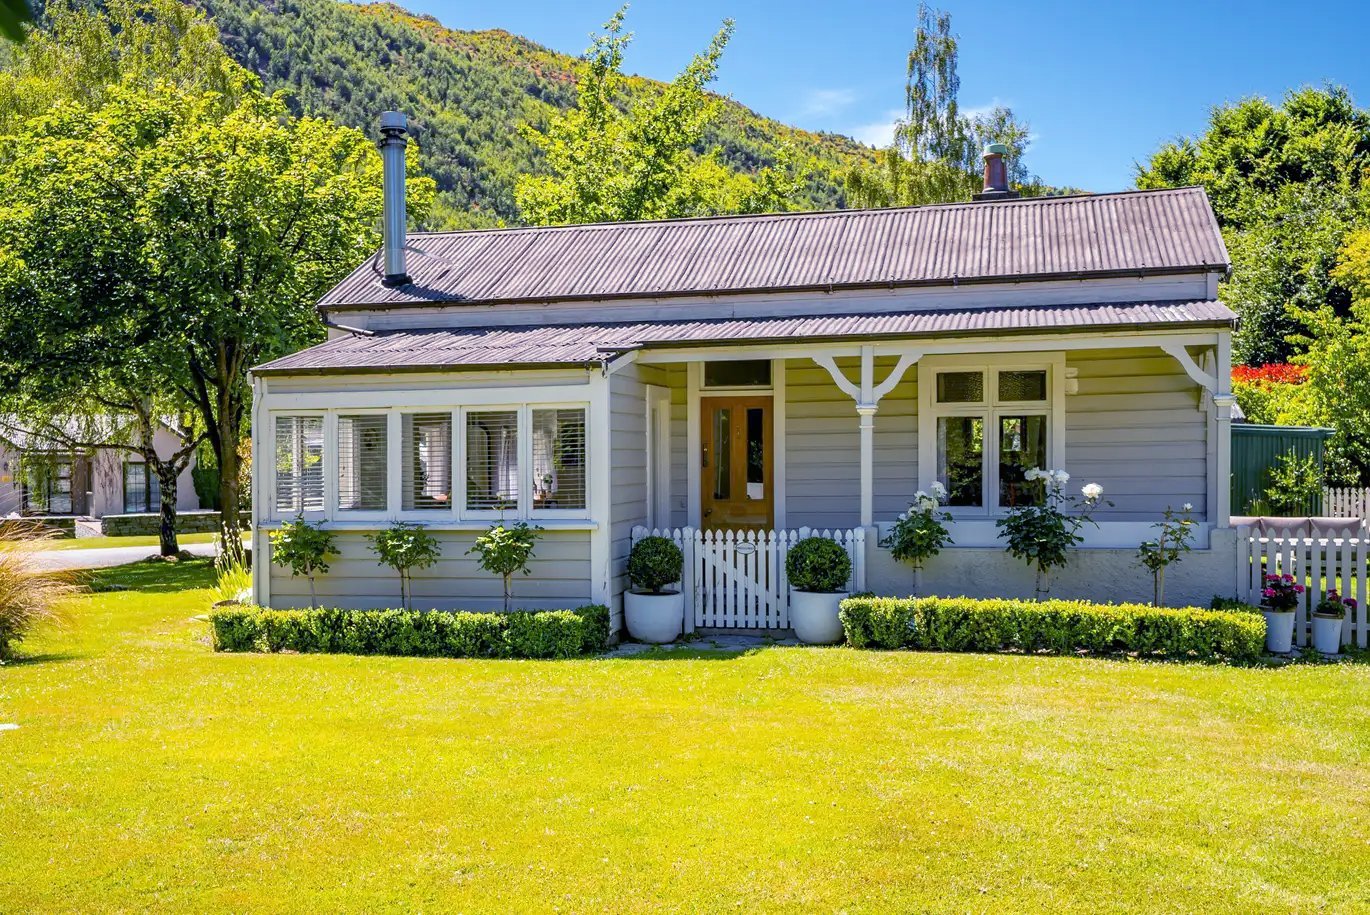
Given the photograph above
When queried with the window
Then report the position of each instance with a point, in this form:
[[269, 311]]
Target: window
[[362, 456], [142, 488], [739, 373], [427, 473], [989, 427], [558, 459], [492, 460], [47, 484], [299, 464]]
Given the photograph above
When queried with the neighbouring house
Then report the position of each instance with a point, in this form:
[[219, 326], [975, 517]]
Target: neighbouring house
[[40, 475], [760, 374]]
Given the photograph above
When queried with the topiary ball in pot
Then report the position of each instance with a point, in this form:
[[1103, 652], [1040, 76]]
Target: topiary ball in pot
[[818, 570], [651, 612]]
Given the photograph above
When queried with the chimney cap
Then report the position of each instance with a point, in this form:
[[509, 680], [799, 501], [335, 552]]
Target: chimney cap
[[996, 149], [394, 120]]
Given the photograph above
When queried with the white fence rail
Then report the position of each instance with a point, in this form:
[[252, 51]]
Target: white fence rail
[[736, 579], [1319, 559], [1346, 502]]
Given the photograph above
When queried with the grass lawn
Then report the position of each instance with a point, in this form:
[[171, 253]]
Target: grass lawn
[[150, 773], [96, 543]]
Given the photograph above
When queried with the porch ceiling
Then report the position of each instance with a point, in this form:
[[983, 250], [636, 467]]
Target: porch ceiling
[[581, 344]]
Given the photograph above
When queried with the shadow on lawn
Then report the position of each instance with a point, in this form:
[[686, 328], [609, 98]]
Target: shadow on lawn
[[152, 576]]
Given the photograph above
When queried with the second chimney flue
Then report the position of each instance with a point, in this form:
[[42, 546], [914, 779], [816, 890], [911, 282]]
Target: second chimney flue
[[996, 174], [394, 130]]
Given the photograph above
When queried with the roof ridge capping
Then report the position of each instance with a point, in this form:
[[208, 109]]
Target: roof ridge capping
[[838, 213]]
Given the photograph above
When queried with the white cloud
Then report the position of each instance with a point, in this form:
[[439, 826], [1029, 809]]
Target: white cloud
[[878, 133], [820, 102]]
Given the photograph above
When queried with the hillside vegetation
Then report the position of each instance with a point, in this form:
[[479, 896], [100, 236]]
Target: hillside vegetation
[[466, 93]]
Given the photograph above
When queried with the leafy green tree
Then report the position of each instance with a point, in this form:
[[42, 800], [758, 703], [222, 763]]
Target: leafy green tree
[[405, 547], [304, 549], [936, 153], [199, 225], [1287, 186], [608, 164], [505, 551]]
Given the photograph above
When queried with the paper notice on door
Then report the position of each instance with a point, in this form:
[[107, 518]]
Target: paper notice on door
[[756, 490]]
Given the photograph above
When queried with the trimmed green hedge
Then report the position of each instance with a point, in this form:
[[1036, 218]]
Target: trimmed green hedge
[[434, 633], [1057, 626]]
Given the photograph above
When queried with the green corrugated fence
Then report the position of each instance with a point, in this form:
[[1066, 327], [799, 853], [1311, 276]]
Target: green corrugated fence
[[1256, 450]]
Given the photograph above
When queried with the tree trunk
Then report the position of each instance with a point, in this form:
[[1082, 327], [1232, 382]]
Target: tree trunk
[[230, 528], [1160, 587], [1043, 583], [508, 591], [166, 523]]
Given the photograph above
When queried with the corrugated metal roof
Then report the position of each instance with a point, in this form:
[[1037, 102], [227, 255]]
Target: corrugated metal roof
[[413, 350], [1104, 234]]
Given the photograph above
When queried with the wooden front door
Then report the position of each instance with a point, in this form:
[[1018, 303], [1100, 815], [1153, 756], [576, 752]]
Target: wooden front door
[[737, 486]]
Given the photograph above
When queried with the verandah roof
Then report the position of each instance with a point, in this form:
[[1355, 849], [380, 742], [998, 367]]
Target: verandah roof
[[579, 344]]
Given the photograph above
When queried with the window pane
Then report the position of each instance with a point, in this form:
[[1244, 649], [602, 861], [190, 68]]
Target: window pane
[[558, 459], [741, 373], [362, 463], [960, 452], [722, 475], [1022, 446], [135, 487], [492, 460], [426, 447], [756, 453], [299, 463], [960, 387], [1022, 385]]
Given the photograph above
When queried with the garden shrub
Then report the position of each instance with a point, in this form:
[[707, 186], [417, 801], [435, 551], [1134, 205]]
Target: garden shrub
[[1055, 626], [653, 564], [818, 564], [434, 633]]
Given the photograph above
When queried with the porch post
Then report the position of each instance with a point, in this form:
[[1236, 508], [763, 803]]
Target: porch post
[[865, 408], [1222, 406]]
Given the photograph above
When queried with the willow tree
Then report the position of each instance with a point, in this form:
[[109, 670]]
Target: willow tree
[[607, 162]]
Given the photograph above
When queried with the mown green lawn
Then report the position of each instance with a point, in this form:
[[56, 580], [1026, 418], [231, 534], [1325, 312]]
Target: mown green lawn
[[100, 543], [150, 773]]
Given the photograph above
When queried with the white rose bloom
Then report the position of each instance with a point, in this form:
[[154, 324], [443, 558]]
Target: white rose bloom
[[1062, 477], [1092, 491], [1188, 506], [919, 496], [1032, 474], [928, 505], [938, 490]]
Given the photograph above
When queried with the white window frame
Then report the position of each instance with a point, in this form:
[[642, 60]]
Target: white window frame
[[332, 459], [329, 466], [396, 475], [526, 465], [991, 409]]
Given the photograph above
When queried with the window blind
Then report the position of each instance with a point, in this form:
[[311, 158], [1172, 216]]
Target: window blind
[[299, 463], [426, 443], [558, 459], [362, 463], [492, 460]]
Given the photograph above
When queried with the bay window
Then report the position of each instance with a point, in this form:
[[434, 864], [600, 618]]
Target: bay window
[[362, 462], [982, 427], [426, 484]]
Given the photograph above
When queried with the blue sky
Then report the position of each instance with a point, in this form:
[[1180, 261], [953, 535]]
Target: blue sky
[[1101, 83]]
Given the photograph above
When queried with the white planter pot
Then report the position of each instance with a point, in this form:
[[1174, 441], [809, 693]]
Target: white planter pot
[[1279, 631], [813, 616], [1327, 633], [654, 617]]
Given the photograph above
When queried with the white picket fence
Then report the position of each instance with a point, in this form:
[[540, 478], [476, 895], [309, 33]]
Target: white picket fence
[[1346, 502], [1319, 559], [736, 579]]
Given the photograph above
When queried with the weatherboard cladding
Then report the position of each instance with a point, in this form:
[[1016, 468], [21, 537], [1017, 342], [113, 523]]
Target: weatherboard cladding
[[1132, 232], [585, 343]]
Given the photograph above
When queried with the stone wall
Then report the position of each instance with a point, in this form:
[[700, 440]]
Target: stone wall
[[143, 524], [60, 525]]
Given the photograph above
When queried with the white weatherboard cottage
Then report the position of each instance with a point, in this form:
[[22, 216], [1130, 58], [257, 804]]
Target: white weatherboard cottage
[[730, 378]]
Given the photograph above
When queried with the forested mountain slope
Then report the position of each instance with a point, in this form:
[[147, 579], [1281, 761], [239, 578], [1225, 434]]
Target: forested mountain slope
[[466, 93]]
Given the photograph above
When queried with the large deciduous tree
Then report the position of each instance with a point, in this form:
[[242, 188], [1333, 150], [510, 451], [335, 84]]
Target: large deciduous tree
[[608, 164], [182, 230], [936, 153], [1287, 184]]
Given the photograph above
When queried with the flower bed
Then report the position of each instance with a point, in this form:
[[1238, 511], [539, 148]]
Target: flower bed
[[434, 633], [1054, 626]]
